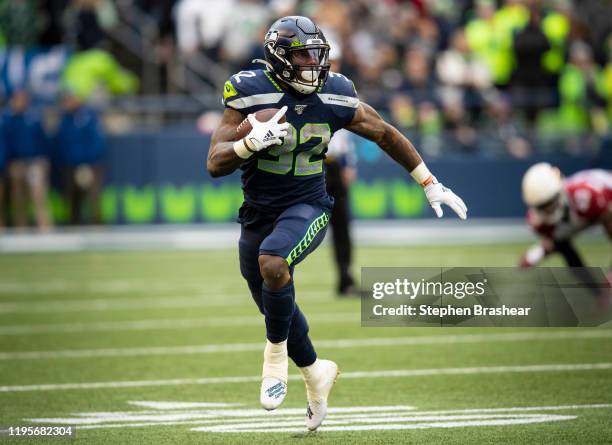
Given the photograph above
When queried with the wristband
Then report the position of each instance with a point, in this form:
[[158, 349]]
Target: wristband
[[422, 175], [242, 150]]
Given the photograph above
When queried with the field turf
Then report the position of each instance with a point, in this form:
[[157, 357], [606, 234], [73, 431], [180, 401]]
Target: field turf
[[99, 340]]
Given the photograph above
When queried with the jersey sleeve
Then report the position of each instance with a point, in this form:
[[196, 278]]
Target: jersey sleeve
[[587, 201], [230, 93], [341, 95], [247, 91], [236, 91]]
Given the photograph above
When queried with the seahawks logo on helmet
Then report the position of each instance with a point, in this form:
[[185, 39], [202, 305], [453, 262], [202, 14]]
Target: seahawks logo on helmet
[[271, 36], [297, 53]]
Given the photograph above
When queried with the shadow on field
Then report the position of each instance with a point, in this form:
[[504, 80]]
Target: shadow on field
[[306, 435]]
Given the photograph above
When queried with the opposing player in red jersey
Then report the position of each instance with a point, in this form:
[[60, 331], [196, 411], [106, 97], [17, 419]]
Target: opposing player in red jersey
[[560, 208]]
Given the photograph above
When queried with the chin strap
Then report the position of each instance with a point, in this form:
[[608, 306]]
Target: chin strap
[[263, 62], [270, 68], [303, 89]]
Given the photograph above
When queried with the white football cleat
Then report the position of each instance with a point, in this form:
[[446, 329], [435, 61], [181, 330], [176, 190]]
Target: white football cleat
[[319, 379], [274, 375]]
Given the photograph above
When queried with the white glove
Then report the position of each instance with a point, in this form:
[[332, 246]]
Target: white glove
[[266, 134], [437, 195]]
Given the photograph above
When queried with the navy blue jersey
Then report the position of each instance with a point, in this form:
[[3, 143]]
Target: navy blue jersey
[[293, 172]]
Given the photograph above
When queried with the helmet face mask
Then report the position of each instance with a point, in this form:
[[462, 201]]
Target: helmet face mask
[[297, 53], [552, 211], [309, 65]]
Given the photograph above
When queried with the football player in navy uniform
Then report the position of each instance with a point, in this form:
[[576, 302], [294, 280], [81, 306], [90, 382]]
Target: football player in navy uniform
[[286, 207]]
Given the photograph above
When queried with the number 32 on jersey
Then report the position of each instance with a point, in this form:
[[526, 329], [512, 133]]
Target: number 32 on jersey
[[303, 166]]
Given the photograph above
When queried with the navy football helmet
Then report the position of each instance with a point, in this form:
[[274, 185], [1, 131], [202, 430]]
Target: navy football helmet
[[297, 53]]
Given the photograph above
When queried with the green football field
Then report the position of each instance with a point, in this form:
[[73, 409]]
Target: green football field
[[165, 347]]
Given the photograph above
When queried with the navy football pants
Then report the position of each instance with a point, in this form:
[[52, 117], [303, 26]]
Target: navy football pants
[[293, 235]]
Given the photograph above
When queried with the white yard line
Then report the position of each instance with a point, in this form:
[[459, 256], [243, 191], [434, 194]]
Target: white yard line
[[330, 344], [182, 405], [141, 303], [162, 324], [569, 367], [521, 409], [217, 415], [106, 286], [300, 428], [113, 304], [386, 425]]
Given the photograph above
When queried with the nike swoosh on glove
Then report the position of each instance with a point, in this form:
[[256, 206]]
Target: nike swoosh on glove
[[437, 195]]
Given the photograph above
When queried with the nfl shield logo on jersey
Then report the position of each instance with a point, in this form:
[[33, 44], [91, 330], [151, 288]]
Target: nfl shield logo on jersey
[[299, 109]]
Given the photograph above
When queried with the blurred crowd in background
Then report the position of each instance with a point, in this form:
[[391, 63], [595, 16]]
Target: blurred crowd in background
[[465, 76], [28, 149], [483, 77]]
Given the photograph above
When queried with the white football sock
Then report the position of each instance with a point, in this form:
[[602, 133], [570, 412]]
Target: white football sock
[[276, 360]]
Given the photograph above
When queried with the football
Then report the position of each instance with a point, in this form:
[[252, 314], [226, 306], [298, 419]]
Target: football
[[262, 116]]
